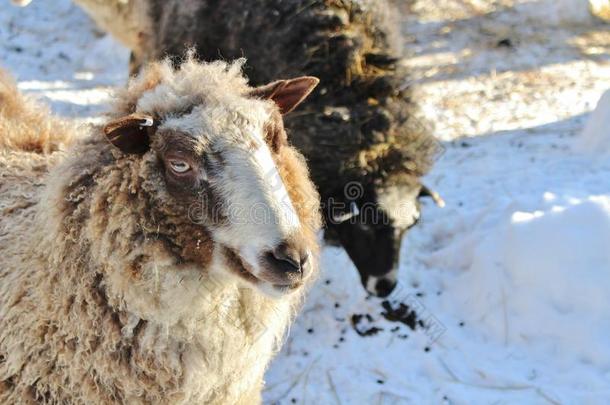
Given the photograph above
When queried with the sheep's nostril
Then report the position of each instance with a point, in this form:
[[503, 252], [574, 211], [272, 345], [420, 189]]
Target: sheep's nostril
[[286, 259], [385, 287], [380, 286]]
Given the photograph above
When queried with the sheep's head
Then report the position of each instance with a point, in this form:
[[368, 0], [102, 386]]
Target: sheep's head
[[221, 172], [370, 222]]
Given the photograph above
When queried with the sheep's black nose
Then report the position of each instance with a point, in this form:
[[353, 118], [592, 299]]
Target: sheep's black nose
[[287, 259], [380, 286], [384, 287]]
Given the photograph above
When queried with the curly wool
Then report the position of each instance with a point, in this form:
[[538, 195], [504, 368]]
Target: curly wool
[[99, 300]]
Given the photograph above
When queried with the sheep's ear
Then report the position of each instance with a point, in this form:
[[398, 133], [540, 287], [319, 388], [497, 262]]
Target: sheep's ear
[[287, 94], [131, 133]]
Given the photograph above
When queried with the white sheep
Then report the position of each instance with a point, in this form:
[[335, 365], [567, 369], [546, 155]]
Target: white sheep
[[160, 257]]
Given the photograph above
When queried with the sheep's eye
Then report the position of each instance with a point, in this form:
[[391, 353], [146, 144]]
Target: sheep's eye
[[179, 166]]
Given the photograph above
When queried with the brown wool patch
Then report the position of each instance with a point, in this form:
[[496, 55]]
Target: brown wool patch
[[303, 195], [69, 303], [138, 330], [197, 245], [237, 266], [35, 146], [274, 132], [135, 267]]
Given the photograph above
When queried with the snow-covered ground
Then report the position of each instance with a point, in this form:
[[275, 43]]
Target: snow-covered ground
[[510, 282]]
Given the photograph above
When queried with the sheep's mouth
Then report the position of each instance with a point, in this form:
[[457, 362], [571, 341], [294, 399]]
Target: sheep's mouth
[[245, 271]]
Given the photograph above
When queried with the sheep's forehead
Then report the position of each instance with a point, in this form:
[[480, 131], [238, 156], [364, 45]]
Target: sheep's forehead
[[399, 203], [231, 121]]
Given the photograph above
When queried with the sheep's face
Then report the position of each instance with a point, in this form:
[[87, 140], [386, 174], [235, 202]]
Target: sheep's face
[[371, 232], [229, 176], [224, 164]]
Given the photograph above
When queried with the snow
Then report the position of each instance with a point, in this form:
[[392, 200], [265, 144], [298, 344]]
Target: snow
[[527, 260], [595, 138], [556, 11], [510, 280], [58, 54]]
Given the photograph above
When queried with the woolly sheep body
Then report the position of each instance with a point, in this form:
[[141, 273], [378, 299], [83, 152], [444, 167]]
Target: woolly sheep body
[[94, 308]]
